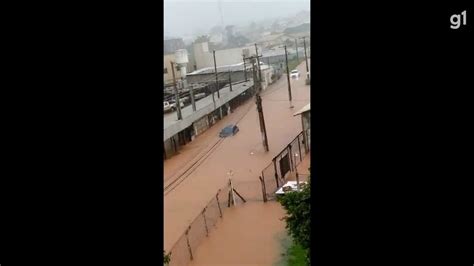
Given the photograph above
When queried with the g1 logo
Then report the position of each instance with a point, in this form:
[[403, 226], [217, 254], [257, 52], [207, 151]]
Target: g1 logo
[[456, 20]]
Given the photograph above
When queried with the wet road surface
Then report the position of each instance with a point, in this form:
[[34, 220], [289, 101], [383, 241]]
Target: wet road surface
[[242, 153]]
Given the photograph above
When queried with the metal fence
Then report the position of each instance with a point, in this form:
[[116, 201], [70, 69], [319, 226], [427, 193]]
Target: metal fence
[[183, 250], [276, 173], [272, 178]]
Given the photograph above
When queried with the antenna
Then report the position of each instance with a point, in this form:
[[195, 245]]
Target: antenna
[[220, 12]]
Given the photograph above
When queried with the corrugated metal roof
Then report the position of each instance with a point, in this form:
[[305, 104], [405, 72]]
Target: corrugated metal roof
[[227, 68], [303, 110]]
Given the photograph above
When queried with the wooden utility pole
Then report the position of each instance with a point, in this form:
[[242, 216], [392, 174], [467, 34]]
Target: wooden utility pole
[[263, 129], [245, 68], [176, 94], [305, 56], [215, 70], [288, 77], [259, 101], [258, 64], [255, 82], [230, 80], [297, 57], [254, 76]]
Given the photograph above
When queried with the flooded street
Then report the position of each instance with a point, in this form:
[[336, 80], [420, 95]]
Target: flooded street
[[244, 155], [249, 234]]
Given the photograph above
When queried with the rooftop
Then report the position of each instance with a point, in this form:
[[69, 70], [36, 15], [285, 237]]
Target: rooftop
[[204, 106], [305, 109], [224, 69]]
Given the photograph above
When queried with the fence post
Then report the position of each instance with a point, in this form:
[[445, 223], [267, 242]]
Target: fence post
[[299, 148], [218, 205], [291, 157], [276, 170], [264, 191], [187, 242], [205, 222]]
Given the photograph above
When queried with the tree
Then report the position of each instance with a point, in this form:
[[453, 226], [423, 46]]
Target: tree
[[166, 258], [216, 29], [202, 38], [298, 220], [275, 26], [253, 26]]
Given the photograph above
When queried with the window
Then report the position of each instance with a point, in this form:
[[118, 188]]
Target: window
[[165, 71]]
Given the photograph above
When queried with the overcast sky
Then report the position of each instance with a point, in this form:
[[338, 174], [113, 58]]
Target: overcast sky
[[185, 17]]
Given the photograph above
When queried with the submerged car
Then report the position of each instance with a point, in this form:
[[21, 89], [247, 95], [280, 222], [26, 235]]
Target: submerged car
[[229, 130]]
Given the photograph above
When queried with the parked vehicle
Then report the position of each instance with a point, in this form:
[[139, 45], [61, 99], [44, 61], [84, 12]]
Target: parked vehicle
[[199, 96], [229, 130], [166, 106], [173, 105], [294, 74]]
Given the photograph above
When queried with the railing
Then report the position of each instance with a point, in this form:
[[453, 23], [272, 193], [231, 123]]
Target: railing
[[275, 174], [273, 177], [182, 251]]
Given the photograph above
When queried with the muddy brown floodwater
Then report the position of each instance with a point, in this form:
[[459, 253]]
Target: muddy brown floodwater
[[249, 234], [244, 155]]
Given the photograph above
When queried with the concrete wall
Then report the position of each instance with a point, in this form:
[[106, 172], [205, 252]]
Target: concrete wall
[[169, 146], [201, 125]]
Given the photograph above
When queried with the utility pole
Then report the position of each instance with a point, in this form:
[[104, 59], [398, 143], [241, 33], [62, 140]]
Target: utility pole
[[297, 57], [176, 94], [305, 56], [288, 78], [230, 80], [255, 82], [215, 70], [254, 58], [245, 68], [191, 94], [258, 64], [263, 130]]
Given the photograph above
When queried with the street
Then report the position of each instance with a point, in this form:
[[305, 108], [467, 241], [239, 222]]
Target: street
[[242, 153]]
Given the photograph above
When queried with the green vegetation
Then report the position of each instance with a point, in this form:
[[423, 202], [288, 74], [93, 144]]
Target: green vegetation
[[292, 64], [166, 258], [305, 27], [297, 256], [298, 220]]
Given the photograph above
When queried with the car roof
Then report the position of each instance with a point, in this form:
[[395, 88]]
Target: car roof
[[229, 126]]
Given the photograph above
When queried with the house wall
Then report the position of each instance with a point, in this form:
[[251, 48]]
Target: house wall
[[306, 123]]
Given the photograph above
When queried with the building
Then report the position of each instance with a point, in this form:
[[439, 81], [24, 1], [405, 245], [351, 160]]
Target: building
[[168, 75], [234, 72], [180, 132], [305, 113], [204, 57], [216, 38], [276, 57], [171, 45]]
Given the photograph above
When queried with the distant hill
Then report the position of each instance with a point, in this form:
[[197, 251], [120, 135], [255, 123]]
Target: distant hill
[[305, 27]]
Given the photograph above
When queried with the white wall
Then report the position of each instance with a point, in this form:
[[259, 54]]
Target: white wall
[[204, 57]]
